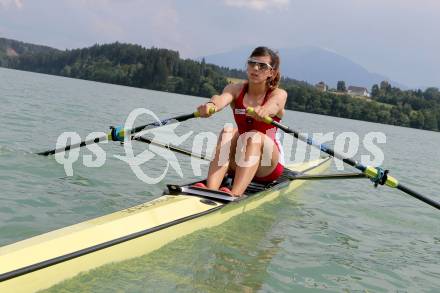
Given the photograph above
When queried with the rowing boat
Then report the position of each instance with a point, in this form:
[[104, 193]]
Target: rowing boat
[[45, 260]]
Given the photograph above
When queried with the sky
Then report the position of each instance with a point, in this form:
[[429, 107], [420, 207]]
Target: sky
[[396, 38]]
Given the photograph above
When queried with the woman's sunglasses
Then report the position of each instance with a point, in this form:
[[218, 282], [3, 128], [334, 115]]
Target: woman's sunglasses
[[260, 65]]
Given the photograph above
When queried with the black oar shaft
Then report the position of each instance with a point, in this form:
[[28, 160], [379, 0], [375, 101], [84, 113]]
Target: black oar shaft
[[180, 118], [417, 195], [73, 146], [322, 147], [329, 176]]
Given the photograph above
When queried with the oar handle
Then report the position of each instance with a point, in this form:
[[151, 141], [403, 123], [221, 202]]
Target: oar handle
[[266, 119]]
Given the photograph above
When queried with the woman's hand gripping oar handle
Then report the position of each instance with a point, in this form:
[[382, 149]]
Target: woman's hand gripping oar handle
[[211, 111], [266, 119]]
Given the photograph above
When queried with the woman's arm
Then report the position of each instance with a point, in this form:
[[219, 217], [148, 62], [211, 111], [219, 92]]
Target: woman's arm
[[273, 107], [218, 102]]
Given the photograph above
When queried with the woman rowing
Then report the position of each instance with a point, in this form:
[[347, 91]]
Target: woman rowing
[[252, 150]]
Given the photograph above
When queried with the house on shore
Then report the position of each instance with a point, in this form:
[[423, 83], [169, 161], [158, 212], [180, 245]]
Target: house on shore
[[358, 91], [321, 86]]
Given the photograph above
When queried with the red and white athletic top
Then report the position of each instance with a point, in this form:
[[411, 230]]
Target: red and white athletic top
[[246, 124]]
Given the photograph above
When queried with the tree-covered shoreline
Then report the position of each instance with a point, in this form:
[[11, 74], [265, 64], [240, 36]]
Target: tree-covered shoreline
[[164, 70], [412, 108]]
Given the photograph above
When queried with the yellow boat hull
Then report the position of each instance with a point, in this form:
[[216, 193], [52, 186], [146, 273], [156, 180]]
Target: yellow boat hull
[[45, 260]]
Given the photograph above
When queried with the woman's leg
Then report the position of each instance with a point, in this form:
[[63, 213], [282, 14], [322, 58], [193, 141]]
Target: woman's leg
[[256, 155], [224, 157]]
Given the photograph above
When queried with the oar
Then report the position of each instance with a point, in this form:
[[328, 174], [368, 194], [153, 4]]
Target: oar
[[377, 175], [170, 147], [119, 135]]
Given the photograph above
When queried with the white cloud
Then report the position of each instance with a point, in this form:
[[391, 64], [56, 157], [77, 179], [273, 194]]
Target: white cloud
[[258, 4], [9, 3]]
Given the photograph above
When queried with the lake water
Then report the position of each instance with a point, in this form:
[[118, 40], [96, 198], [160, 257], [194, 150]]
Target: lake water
[[328, 236]]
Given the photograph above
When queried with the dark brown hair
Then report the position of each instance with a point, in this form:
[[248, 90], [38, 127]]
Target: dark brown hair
[[273, 82]]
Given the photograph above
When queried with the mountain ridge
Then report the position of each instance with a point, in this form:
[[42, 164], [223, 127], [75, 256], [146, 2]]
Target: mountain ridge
[[15, 48], [310, 64]]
